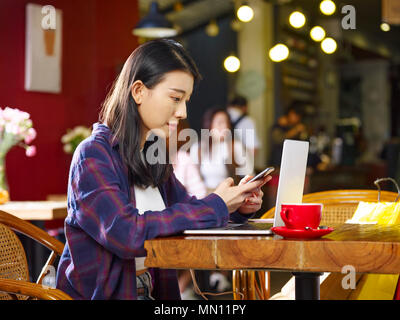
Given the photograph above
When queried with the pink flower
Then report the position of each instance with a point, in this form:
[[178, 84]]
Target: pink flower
[[12, 128], [30, 151], [14, 115], [31, 135], [7, 114]]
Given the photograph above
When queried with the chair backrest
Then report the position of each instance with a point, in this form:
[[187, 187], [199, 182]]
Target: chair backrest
[[13, 251], [340, 205], [13, 264]]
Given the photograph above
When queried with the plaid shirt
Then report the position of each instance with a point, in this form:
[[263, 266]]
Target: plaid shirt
[[105, 233]]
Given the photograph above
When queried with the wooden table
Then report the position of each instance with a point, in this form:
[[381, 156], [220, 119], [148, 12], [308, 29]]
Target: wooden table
[[36, 210], [368, 248]]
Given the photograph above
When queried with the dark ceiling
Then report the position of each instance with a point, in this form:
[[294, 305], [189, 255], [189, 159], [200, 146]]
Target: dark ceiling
[[368, 17], [196, 13]]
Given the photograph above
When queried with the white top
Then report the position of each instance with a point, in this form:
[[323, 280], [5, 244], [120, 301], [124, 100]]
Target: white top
[[213, 169], [245, 130], [188, 174], [148, 199]]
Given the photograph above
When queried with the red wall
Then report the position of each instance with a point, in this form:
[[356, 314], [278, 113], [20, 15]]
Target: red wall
[[96, 41]]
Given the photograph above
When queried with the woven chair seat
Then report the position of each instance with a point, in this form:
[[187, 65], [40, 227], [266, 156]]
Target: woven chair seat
[[14, 272], [13, 264]]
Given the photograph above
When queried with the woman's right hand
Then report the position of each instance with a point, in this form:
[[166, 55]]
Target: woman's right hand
[[234, 196]]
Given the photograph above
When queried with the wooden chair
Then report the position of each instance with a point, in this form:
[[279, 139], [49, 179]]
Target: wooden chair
[[14, 274], [338, 207]]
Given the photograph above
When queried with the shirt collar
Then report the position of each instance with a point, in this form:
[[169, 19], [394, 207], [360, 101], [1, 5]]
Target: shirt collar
[[103, 130]]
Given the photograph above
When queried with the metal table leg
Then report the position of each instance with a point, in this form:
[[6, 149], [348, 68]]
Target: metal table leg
[[307, 285]]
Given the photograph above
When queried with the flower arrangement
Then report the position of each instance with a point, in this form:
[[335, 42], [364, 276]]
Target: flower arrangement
[[16, 128], [74, 137]]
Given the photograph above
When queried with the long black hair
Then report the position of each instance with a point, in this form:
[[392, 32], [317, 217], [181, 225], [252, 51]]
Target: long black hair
[[148, 63]]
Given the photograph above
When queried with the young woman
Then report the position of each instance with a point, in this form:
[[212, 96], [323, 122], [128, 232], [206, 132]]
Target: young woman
[[117, 198]]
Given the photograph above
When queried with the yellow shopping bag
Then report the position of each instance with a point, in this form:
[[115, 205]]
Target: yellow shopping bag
[[377, 286]]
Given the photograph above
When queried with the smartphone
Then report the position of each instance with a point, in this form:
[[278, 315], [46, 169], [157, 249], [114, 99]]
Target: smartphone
[[262, 174]]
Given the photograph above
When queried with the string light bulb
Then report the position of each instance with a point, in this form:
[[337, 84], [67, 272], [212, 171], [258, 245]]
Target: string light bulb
[[328, 45], [385, 27], [317, 33], [232, 64], [279, 52], [245, 13], [327, 7], [297, 19]]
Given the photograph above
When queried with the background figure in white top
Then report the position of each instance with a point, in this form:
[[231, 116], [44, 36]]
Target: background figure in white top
[[186, 171], [219, 154], [242, 124]]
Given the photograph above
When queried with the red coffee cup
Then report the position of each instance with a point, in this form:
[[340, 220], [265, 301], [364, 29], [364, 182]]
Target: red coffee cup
[[301, 215]]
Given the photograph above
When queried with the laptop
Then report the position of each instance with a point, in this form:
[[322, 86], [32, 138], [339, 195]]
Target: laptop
[[290, 190]]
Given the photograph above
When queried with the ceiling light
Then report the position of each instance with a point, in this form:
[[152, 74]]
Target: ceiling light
[[245, 13], [317, 33], [327, 7], [297, 19], [232, 64], [279, 52], [154, 25], [328, 45]]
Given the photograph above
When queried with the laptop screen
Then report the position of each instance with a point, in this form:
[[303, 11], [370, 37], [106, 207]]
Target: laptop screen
[[291, 176], [290, 190]]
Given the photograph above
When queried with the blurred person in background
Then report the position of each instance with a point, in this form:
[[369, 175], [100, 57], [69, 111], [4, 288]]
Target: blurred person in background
[[288, 126], [242, 124], [187, 172], [219, 156]]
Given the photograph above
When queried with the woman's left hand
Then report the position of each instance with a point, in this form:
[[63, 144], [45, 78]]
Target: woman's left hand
[[253, 203]]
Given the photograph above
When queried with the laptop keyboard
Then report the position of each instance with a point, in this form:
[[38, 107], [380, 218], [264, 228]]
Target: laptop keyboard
[[249, 226]]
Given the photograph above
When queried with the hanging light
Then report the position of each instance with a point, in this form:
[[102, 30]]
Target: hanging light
[[279, 52], [385, 27], [232, 64], [328, 45], [327, 7], [154, 25], [245, 13], [297, 19], [317, 33]]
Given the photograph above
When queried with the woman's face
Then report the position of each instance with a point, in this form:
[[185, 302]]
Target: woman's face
[[162, 107], [220, 125]]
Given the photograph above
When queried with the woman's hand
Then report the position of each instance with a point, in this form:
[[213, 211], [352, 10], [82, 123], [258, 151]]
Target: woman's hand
[[254, 202], [234, 196]]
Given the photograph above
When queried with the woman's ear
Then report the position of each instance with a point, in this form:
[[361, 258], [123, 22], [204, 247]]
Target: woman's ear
[[137, 90]]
